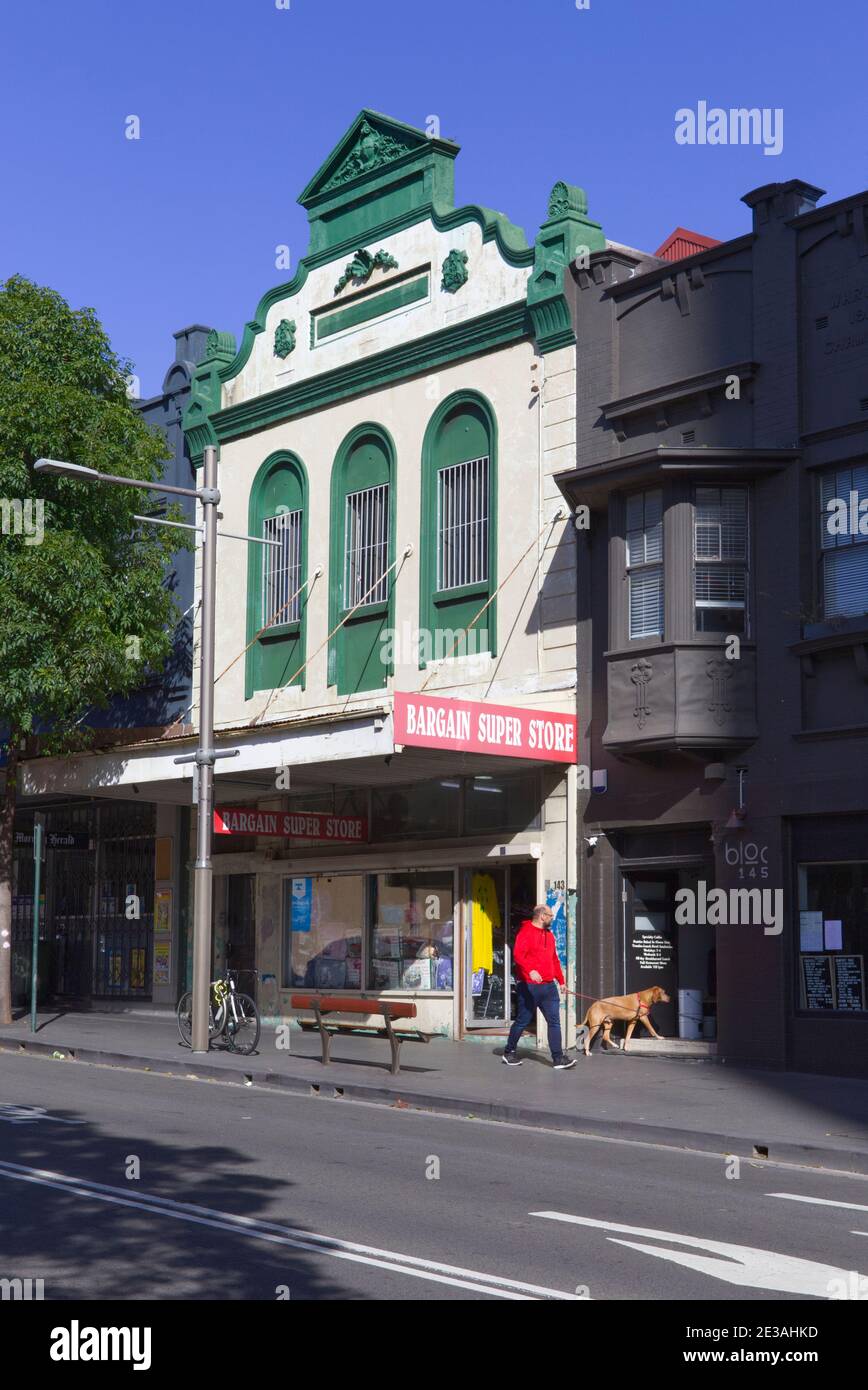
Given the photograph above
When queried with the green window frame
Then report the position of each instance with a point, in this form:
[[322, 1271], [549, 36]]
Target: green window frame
[[275, 656], [365, 461], [460, 444]]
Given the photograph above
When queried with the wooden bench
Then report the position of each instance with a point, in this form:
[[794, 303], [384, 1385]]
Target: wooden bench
[[387, 1009]]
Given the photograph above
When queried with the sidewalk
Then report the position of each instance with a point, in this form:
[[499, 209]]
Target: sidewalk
[[819, 1121]]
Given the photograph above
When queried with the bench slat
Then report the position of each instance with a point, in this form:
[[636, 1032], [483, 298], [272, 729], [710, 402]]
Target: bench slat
[[338, 1004]]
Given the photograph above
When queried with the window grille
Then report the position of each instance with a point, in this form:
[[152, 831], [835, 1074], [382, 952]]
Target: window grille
[[462, 524], [281, 569], [366, 555]]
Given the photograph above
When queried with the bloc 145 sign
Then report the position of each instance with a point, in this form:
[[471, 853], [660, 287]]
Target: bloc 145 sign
[[296, 825], [473, 726]]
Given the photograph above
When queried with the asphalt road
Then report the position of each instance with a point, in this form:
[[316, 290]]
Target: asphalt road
[[125, 1185]]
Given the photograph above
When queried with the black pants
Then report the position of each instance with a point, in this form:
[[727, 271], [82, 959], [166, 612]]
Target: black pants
[[530, 998]]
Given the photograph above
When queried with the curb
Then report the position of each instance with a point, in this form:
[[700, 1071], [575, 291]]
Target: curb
[[739, 1146]]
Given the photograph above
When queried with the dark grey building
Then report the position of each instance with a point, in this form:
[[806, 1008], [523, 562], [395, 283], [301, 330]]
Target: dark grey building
[[722, 452], [167, 695]]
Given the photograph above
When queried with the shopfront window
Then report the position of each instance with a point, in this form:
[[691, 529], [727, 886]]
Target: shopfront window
[[412, 937], [324, 923], [425, 808], [502, 803], [833, 937]]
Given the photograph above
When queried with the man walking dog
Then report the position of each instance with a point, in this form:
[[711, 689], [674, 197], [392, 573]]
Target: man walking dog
[[538, 969]]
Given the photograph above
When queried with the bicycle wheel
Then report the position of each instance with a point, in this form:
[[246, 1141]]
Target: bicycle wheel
[[242, 1025], [185, 1019]]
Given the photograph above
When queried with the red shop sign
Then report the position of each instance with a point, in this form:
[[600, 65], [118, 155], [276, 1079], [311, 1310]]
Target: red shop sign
[[299, 825], [472, 726]]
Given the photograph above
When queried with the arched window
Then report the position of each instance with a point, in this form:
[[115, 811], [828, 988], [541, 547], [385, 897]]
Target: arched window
[[276, 603], [362, 549], [459, 529]]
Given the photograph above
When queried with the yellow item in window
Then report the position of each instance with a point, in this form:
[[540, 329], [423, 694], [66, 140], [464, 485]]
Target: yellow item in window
[[484, 917]]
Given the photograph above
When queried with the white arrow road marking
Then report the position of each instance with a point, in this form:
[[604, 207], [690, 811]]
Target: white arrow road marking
[[818, 1201], [411, 1265], [742, 1264], [29, 1114]]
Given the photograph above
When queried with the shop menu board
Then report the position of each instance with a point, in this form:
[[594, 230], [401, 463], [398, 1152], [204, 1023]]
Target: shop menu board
[[819, 990], [834, 982], [850, 982]]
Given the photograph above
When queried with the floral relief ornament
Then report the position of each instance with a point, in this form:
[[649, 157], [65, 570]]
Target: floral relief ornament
[[284, 338], [455, 271], [363, 265]]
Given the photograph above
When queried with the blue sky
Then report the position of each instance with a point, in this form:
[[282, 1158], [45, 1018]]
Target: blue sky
[[240, 101]]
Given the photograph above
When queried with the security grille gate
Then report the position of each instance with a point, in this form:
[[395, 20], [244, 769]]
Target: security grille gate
[[97, 917], [462, 524], [367, 546], [281, 569]]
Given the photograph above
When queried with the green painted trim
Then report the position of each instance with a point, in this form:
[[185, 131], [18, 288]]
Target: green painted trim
[[336, 674], [567, 229], [431, 602], [499, 328], [372, 306], [510, 241], [280, 458], [411, 138]]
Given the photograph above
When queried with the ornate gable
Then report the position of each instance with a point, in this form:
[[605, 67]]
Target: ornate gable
[[373, 148]]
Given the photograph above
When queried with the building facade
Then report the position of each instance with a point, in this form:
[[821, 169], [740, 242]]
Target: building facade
[[722, 457], [396, 647]]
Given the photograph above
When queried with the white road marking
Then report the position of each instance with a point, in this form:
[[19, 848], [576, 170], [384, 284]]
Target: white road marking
[[411, 1265], [30, 1114], [744, 1265], [818, 1201]]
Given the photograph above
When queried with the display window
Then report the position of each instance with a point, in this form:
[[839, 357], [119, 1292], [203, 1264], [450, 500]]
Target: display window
[[392, 930], [833, 937]]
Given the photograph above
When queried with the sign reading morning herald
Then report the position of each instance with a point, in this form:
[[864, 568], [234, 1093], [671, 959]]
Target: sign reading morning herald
[[470, 726]]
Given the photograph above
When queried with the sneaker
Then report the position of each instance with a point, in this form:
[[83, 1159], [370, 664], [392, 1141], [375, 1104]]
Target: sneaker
[[563, 1063], [511, 1059]]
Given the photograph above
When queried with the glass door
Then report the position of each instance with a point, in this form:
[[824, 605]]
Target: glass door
[[651, 944], [487, 972]]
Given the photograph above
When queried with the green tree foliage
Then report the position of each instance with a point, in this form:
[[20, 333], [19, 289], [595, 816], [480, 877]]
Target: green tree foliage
[[70, 603]]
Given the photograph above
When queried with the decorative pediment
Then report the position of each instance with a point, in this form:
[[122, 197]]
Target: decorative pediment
[[372, 149], [370, 146]]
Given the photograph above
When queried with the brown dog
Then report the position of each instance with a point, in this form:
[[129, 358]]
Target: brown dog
[[633, 1008]]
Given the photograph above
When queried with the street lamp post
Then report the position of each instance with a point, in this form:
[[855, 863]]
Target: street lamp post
[[206, 754]]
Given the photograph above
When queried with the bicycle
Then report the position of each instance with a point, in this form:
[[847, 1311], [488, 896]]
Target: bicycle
[[230, 1013]]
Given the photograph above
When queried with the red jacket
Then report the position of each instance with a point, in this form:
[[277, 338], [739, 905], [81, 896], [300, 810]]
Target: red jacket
[[535, 950]]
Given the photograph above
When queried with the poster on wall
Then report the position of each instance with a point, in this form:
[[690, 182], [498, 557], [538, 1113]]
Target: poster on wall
[[556, 900], [162, 962], [302, 903], [137, 968], [163, 912], [810, 931]]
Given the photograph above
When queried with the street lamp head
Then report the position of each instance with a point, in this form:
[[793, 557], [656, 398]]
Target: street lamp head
[[69, 470]]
